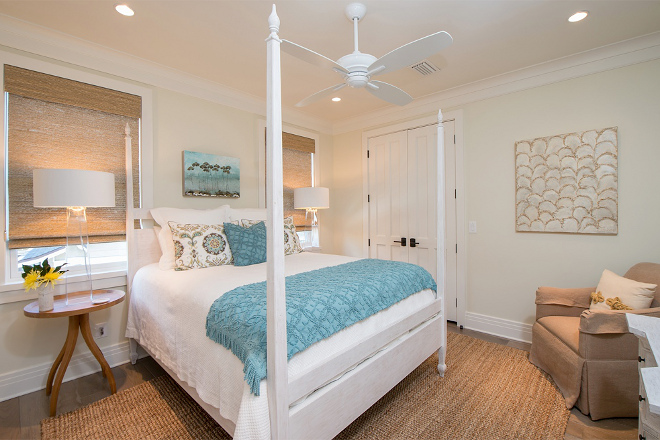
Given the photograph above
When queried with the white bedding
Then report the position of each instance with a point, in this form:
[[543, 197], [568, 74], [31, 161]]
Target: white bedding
[[167, 316]]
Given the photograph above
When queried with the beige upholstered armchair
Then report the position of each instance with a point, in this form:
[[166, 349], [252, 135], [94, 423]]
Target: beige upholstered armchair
[[590, 354]]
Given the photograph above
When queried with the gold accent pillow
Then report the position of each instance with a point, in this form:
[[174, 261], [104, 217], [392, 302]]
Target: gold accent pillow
[[615, 292], [198, 246], [291, 240]]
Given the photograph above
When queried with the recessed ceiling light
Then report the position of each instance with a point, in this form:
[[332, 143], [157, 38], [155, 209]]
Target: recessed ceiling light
[[124, 10], [578, 16], [336, 99]]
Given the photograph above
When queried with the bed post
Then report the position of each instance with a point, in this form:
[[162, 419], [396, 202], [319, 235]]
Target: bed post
[[277, 379], [130, 231], [442, 353]]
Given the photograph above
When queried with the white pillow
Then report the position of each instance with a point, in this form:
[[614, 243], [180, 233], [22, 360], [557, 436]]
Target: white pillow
[[615, 292], [192, 216], [258, 214]]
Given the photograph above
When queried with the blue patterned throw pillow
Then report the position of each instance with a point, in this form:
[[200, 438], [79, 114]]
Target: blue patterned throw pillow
[[248, 245]]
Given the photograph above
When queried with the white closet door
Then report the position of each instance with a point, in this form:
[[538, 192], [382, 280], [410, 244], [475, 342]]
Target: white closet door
[[388, 217], [422, 190], [402, 201]]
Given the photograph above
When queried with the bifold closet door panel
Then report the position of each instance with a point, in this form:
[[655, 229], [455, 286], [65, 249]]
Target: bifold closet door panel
[[422, 197], [388, 214]]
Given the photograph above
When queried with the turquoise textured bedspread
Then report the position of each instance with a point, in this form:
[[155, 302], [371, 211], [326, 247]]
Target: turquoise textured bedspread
[[319, 303]]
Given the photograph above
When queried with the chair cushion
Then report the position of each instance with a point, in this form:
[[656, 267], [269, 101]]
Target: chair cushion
[[565, 328]]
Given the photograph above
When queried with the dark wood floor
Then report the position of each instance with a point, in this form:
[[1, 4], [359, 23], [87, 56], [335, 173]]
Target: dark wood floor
[[20, 417]]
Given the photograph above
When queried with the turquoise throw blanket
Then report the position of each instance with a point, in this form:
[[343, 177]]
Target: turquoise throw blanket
[[319, 303]]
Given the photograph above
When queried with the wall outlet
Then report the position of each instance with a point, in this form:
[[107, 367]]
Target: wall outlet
[[101, 330]]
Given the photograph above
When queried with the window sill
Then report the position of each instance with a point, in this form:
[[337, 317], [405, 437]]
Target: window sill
[[13, 291]]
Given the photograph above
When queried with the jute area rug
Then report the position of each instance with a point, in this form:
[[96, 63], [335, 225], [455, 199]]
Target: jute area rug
[[489, 392]]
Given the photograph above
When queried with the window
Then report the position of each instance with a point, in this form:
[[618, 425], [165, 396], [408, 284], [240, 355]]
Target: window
[[300, 168], [54, 122], [298, 172]]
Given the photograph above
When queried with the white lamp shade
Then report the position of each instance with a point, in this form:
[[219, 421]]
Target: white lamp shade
[[311, 198], [54, 188]]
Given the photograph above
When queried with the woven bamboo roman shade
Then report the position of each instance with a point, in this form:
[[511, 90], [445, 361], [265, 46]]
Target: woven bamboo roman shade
[[297, 170], [59, 123]]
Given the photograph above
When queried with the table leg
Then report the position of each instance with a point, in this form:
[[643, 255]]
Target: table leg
[[96, 351], [53, 369], [69, 345]]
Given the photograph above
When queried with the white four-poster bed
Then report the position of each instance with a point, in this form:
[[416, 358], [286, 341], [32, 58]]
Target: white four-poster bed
[[303, 401]]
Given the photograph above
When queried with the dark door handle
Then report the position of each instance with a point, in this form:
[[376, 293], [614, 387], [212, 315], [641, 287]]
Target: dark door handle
[[640, 359], [402, 241], [413, 243], [641, 399]]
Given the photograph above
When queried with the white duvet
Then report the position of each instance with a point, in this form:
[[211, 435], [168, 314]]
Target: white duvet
[[167, 316]]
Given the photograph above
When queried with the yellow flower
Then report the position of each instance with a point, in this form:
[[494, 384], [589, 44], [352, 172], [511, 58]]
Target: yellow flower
[[52, 276], [32, 280]]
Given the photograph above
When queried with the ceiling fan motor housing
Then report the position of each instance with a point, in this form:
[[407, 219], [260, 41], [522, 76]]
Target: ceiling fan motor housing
[[357, 65]]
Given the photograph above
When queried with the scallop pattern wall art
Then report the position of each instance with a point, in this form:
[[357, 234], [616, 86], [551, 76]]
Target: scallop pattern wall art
[[568, 183]]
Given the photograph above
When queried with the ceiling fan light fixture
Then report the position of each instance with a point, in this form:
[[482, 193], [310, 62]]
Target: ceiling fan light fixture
[[336, 99], [124, 10], [578, 16]]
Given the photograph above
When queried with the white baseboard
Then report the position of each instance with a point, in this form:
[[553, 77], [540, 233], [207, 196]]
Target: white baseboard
[[18, 383], [517, 331]]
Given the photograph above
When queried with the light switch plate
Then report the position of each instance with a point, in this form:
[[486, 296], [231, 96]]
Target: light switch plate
[[472, 227]]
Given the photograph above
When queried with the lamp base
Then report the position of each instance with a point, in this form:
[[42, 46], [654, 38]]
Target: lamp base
[[77, 237]]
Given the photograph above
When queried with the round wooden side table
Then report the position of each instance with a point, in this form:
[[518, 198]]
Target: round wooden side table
[[78, 310]]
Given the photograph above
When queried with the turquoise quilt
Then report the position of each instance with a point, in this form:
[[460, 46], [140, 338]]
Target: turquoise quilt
[[319, 303]]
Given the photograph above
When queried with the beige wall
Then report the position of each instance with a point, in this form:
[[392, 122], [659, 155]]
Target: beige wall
[[504, 267], [183, 122], [346, 195]]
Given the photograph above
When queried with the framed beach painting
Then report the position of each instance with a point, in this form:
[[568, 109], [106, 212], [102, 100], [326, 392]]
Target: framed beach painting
[[210, 175]]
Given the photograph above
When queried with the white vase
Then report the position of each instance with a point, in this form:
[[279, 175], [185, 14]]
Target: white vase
[[45, 295]]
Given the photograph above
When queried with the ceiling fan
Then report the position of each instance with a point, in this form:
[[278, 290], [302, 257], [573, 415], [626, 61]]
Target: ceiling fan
[[357, 68]]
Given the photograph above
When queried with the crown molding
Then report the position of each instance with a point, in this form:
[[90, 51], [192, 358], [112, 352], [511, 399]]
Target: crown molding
[[613, 56], [38, 40]]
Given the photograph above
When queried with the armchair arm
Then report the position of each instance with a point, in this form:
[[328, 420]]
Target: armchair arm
[[553, 301], [610, 321]]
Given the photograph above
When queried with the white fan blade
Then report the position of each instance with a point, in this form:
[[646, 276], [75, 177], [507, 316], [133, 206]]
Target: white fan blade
[[320, 95], [388, 92], [411, 53], [310, 56]]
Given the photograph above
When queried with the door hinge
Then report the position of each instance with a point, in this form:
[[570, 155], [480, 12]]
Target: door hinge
[[454, 139], [368, 198], [456, 302], [454, 193], [369, 242], [367, 154], [456, 247]]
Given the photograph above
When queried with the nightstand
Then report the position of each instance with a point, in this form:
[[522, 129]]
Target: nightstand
[[78, 310], [647, 330]]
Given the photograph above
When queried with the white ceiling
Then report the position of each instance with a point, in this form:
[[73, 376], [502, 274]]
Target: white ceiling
[[223, 41]]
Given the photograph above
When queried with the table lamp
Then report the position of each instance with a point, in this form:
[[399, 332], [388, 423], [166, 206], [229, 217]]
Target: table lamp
[[311, 199], [75, 190]]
